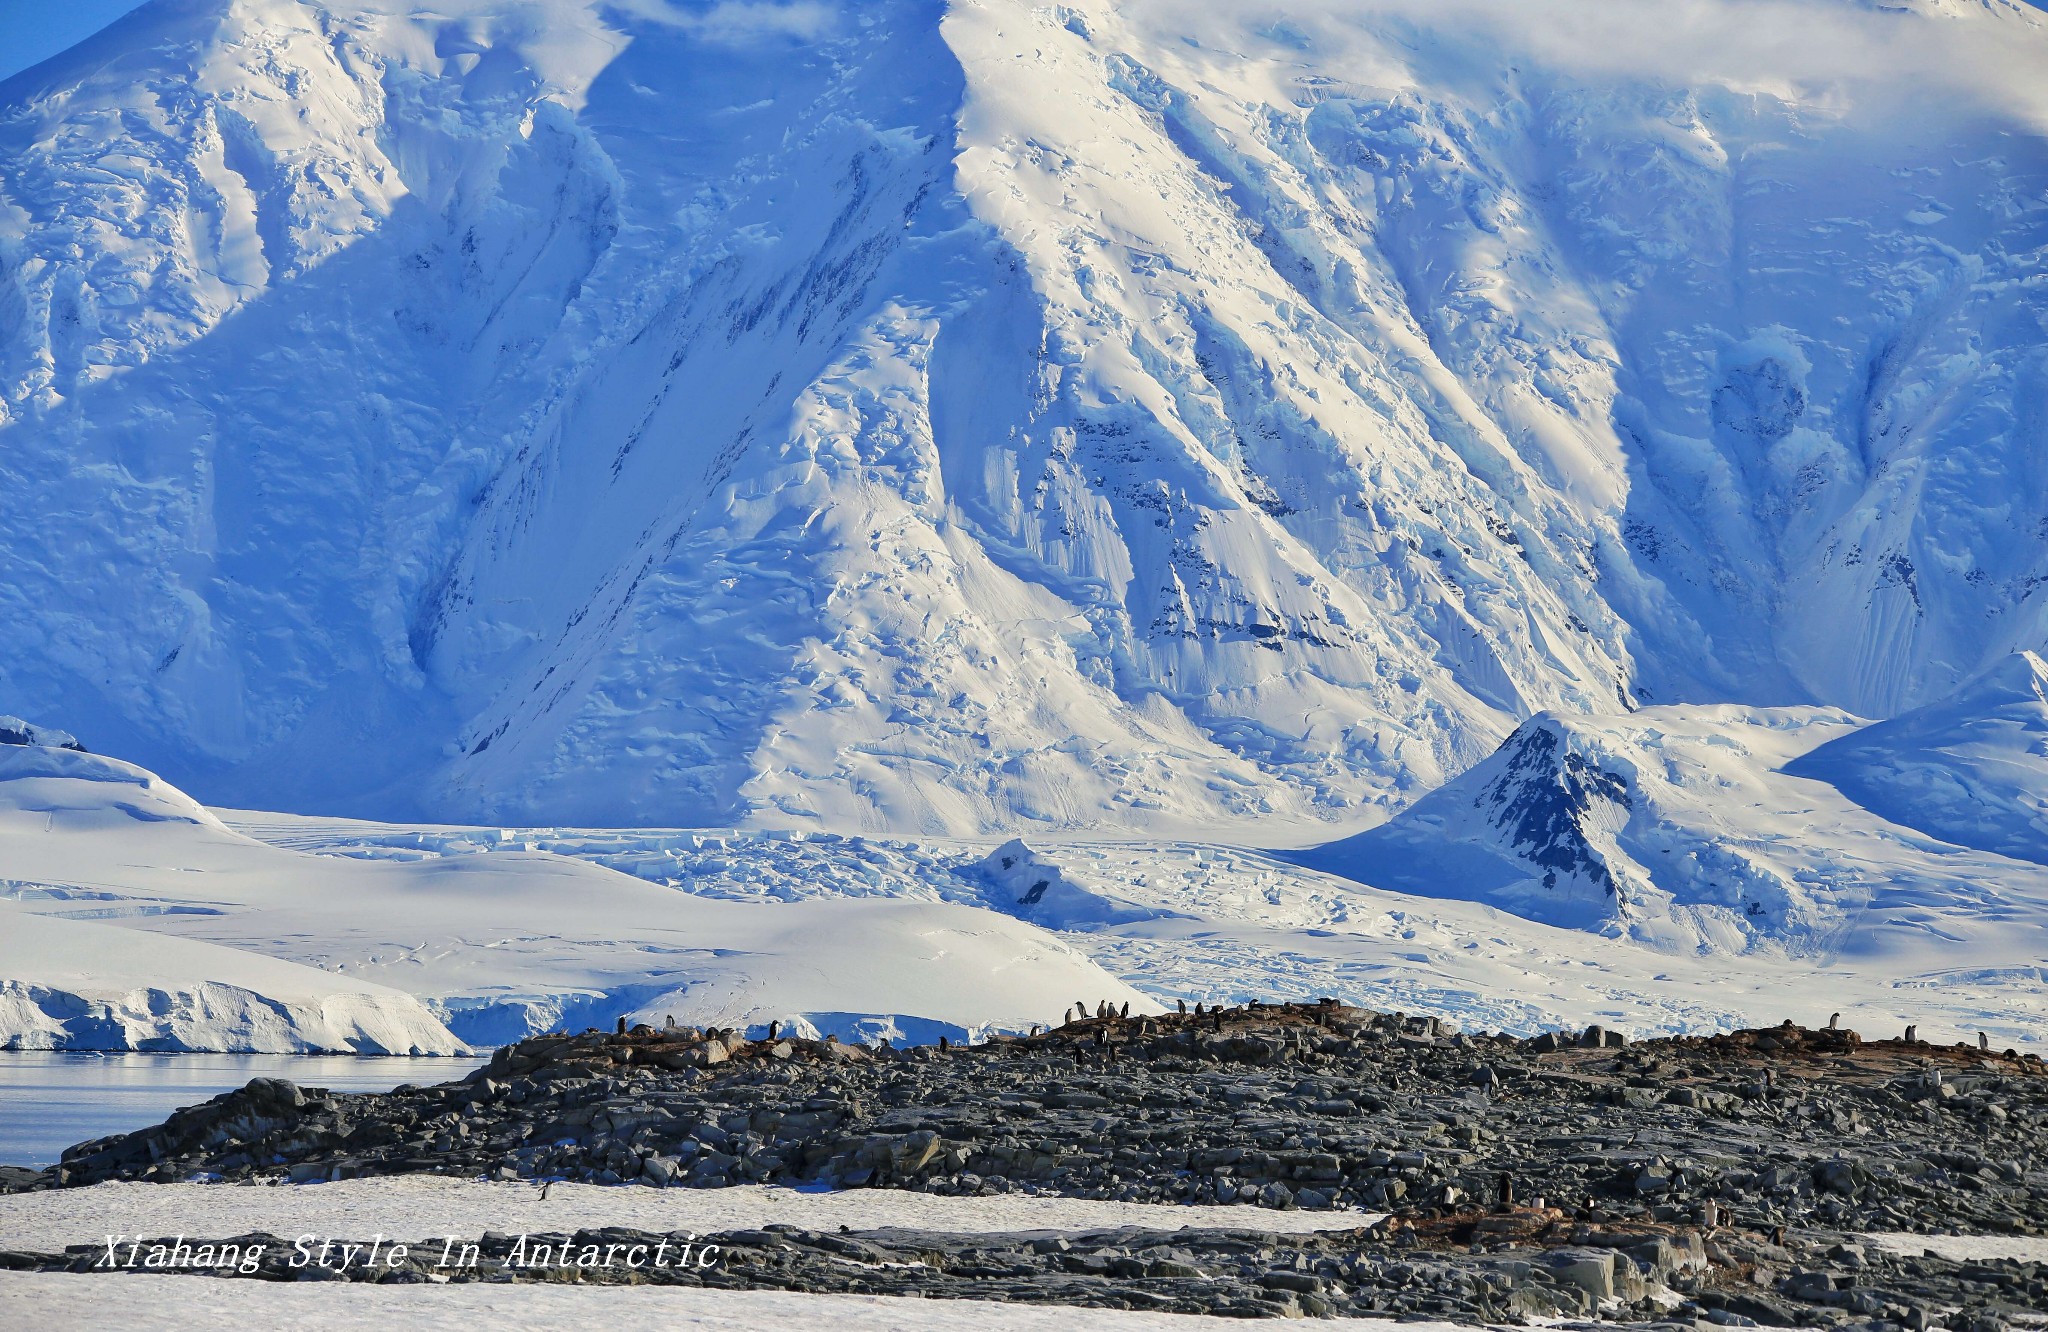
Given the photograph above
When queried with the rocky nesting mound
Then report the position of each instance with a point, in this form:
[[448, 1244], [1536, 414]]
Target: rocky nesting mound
[[1721, 1174]]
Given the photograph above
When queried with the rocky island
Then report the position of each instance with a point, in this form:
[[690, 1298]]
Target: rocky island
[[1735, 1179]]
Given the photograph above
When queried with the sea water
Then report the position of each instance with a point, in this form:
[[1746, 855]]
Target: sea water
[[48, 1101]]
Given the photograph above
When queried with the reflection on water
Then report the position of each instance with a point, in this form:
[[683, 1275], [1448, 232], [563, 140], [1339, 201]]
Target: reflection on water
[[49, 1101]]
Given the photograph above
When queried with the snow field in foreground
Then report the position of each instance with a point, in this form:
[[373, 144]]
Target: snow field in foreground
[[148, 1304], [413, 1207], [1965, 1248]]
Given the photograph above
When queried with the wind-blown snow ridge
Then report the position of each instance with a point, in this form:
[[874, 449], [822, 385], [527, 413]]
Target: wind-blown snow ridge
[[963, 418]]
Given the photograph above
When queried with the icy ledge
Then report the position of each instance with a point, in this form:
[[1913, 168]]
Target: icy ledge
[[69, 985]]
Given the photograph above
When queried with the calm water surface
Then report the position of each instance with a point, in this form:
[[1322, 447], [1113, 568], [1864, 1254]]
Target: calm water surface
[[49, 1101]]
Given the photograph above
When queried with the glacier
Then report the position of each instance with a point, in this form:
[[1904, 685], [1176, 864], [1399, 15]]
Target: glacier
[[962, 419]]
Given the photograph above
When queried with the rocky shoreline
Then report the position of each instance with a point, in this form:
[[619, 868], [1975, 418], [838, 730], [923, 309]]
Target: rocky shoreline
[[1717, 1179]]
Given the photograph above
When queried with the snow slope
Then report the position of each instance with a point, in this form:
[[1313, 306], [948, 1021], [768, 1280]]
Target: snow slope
[[1970, 769], [960, 418], [498, 943]]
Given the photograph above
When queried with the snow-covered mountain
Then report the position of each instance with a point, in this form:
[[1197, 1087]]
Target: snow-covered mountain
[[1715, 832], [986, 415]]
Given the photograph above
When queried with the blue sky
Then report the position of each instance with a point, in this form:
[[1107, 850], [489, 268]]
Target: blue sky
[[31, 31]]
